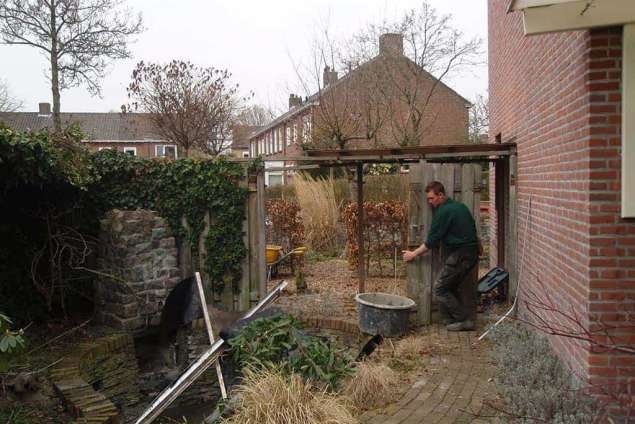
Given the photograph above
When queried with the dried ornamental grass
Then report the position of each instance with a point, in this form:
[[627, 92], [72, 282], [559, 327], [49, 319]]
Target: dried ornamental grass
[[319, 211], [412, 348], [272, 397], [373, 385]]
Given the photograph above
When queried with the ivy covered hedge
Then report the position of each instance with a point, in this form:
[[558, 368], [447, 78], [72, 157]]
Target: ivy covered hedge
[[53, 193]]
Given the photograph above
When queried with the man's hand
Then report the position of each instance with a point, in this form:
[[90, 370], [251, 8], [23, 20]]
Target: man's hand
[[408, 255]]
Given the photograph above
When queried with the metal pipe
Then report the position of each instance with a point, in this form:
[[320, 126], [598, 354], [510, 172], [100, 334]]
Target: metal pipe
[[210, 356]]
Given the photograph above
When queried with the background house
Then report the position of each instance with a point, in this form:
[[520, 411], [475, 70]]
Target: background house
[[365, 108], [132, 133], [565, 97]]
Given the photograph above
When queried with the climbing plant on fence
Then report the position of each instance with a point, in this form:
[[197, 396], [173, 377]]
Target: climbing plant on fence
[[183, 188], [385, 229], [53, 193]]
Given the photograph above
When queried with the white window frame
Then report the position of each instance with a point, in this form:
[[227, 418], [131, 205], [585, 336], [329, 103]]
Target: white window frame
[[288, 135], [132, 149], [245, 154], [156, 150], [99, 149]]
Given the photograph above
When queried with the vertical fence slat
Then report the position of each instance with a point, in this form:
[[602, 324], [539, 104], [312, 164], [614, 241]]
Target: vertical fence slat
[[244, 295], [260, 280], [414, 269]]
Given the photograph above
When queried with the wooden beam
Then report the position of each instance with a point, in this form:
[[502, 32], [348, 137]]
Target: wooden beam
[[577, 15], [361, 257], [628, 122]]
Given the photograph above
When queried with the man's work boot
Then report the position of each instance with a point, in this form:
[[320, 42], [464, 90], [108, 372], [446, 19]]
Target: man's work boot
[[461, 326]]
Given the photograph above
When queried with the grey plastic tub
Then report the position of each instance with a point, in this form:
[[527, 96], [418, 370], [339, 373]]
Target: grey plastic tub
[[383, 313]]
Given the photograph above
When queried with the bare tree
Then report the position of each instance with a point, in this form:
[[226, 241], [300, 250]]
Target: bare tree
[[436, 51], [345, 106], [191, 106], [78, 37], [8, 103], [478, 119], [254, 115]]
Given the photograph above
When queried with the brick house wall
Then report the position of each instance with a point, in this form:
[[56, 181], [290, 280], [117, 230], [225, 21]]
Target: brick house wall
[[144, 149], [558, 97]]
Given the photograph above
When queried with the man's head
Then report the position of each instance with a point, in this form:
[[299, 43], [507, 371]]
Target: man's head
[[435, 193]]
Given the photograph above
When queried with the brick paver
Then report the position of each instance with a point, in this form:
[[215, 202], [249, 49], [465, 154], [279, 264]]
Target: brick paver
[[453, 392]]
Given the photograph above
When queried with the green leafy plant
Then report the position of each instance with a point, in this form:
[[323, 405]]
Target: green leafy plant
[[11, 342], [278, 341]]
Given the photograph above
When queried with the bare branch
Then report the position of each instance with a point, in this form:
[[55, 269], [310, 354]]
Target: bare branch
[[78, 36], [8, 103]]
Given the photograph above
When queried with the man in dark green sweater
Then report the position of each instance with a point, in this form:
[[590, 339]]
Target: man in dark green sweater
[[454, 228]]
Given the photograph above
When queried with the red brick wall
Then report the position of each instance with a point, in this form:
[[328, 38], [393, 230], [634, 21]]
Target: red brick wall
[[558, 97], [144, 149]]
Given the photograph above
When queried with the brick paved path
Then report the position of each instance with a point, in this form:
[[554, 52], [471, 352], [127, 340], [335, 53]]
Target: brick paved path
[[451, 389]]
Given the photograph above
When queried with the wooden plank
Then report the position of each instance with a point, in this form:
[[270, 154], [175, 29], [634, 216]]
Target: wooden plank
[[260, 282], [210, 332], [244, 295], [361, 257], [512, 239], [414, 270], [427, 261]]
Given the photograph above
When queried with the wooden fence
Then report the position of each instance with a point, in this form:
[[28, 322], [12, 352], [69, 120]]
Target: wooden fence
[[462, 182]]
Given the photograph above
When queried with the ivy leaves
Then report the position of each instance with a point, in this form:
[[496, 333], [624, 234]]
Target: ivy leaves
[[184, 188]]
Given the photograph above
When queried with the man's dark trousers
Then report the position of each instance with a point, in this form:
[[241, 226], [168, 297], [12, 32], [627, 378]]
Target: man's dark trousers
[[449, 287]]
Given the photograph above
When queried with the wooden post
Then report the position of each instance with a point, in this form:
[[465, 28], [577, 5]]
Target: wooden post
[[361, 269], [512, 239], [260, 242], [244, 297]]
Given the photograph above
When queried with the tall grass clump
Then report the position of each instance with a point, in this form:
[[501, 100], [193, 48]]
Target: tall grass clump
[[271, 396], [373, 386], [319, 211], [534, 384]]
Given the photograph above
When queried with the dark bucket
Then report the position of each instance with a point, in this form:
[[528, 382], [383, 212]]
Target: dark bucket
[[383, 313]]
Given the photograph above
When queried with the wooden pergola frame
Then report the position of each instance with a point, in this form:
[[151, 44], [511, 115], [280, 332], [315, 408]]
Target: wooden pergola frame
[[455, 153]]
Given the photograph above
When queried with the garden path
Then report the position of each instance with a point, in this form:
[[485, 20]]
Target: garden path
[[454, 381]]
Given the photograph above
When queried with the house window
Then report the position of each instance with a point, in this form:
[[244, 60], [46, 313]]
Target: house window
[[132, 151], [306, 129], [274, 179], [294, 133], [104, 148], [166, 151], [289, 136], [275, 141], [245, 154]]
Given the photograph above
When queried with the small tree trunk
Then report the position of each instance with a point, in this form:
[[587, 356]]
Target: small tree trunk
[[55, 81]]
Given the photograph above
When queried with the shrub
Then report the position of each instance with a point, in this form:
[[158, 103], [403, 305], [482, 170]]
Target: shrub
[[385, 229], [270, 396], [283, 224], [533, 382], [269, 341]]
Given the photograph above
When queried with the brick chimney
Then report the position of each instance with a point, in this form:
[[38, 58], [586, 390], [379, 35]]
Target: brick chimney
[[294, 100], [44, 108], [328, 77], [391, 44]]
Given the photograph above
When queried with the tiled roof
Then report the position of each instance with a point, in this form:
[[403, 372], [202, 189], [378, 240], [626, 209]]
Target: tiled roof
[[97, 126]]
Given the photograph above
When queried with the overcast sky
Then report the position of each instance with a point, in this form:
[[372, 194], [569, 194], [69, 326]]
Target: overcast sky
[[253, 39]]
